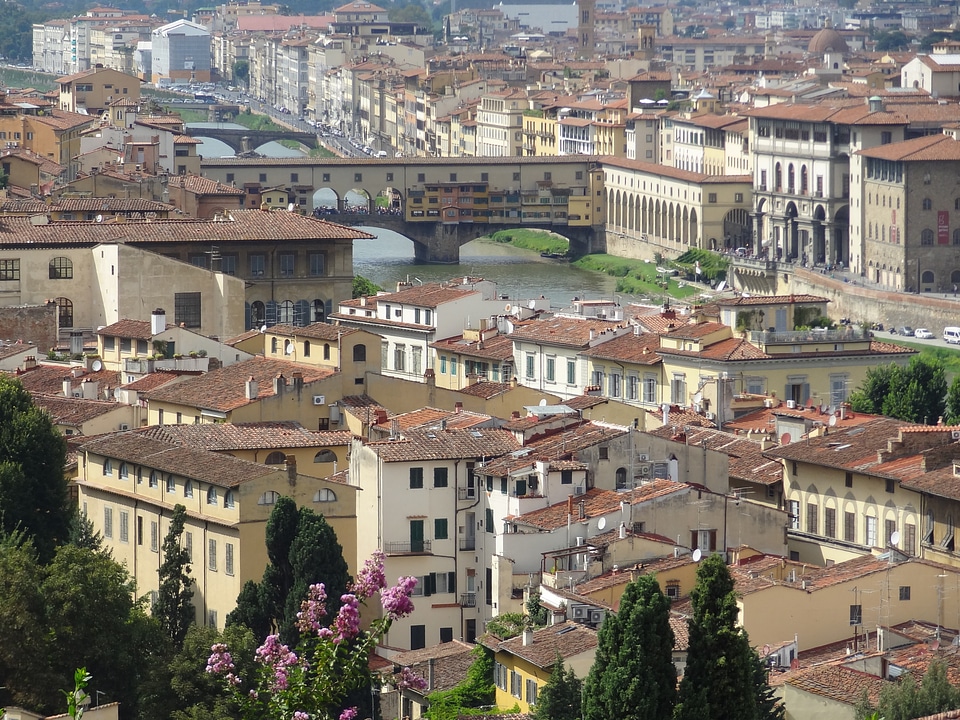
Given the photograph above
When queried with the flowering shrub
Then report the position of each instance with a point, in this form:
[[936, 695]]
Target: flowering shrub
[[311, 681]]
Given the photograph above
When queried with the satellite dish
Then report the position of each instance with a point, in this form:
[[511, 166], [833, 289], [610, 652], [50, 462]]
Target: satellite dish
[[698, 398], [832, 421], [290, 207], [895, 537], [721, 286], [99, 218], [697, 554], [785, 439], [96, 366], [532, 305], [543, 402], [602, 523], [263, 329], [508, 308]]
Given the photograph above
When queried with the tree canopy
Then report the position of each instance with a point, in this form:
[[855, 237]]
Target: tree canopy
[[633, 676], [916, 393], [721, 677], [174, 606], [908, 699], [303, 550], [33, 490], [561, 698]]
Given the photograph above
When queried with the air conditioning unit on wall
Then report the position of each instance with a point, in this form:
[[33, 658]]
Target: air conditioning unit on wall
[[319, 399]]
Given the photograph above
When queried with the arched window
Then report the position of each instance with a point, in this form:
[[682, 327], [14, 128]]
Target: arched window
[[306, 348], [790, 177], [803, 179], [326, 351], [229, 500], [778, 177], [108, 467], [188, 488], [171, 484], [258, 313], [927, 204], [124, 471], [288, 347], [956, 236], [61, 268], [212, 496], [927, 277], [621, 478], [270, 497], [359, 353], [154, 480], [325, 456], [926, 237], [274, 345], [285, 312], [64, 312], [956, 204], [324, 495], [319, 311], [275, 458]]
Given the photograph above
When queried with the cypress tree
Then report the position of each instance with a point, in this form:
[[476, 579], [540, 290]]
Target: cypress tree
[[560, 699], [633, 676], [174, 606]]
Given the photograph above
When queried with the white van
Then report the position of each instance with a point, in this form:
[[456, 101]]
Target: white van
[[381, 153], [951, 335]]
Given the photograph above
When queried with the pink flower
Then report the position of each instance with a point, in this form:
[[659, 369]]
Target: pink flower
[[347, 623], [300, 715], [312, 609], [220, 661], [371, 578], [278, 655], [349, 714], [407, 678], [396, 600]]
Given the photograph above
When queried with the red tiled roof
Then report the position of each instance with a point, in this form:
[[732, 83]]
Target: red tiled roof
[[565, 331], [566, 639], [446, 444], [598, 502], [630, 347], [246, 436], [135, 329]]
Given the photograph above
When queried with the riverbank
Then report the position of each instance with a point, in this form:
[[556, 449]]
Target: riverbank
[[634, 277]]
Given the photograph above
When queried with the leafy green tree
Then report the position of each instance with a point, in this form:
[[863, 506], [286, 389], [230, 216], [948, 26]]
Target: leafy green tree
[[241, 71], [907, 699], [895, 40], [633, 676], [83, 533], [412, 12], [953, 402], [536, 612], [174, 607], [918, 392], [33, 490], [869, 397], [303, 550], [474, 691], [363, 287], [721, 679], [561, 698]]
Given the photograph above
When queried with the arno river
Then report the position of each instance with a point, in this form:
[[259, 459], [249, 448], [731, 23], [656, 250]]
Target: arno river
[[521, 274]]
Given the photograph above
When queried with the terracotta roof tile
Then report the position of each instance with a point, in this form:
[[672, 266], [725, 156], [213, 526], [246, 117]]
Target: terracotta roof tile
[[630, 347], [314, 331], [566, 639], [135, 329], [562, 444], [153, 380], [245, 436], [921, 149], [485, 389], [838, 683], [598, 502], [742, 300], [498, 347], [676, 173], [566, 331], [210, 467], [73, 411], [446, 444], [451, 659], [224, 389], [48, 379]]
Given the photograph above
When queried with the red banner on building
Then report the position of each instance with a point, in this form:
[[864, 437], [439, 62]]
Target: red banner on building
[[943, 227]]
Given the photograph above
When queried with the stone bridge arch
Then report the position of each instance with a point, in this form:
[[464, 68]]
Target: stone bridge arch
[[234, 136]]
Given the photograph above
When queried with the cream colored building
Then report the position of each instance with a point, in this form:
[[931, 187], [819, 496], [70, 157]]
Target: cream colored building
[[91, 91], [129, 485], [500, 123]]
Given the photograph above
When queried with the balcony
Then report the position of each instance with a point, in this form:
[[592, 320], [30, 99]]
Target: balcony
[[817, 335], [468, 600], [468, 543], [408, 547]]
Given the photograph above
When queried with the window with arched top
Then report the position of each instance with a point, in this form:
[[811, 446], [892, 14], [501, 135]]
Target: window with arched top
[[188, 488], [927, 204], [306, 348], [285, 312], [274, 345], [359, 353], [154, 480], [229, 500], [64, 312], [108, 467], [326, 351], [258, 313], [270, 497], [926, 236], [124, 471], [325, 456], [927, 277], [61, 268], [171, 484], [621, 478], [275, 458], [288, 347], [211, 495], [324, 495]]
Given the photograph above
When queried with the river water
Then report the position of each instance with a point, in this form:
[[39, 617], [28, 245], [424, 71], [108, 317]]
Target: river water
[[518, 273]]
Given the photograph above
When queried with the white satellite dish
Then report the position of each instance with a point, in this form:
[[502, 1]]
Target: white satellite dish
[[602, 523], [99, 218], [543, 402], [895, 537], [291, 207], [697, 554], [532, 304], [832, 421], [96, 366], [508, 308], [721, 286], [697, 398], [263, 329]]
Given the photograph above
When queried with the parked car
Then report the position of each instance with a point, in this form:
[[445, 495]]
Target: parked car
[[905, 330], [923, 334]]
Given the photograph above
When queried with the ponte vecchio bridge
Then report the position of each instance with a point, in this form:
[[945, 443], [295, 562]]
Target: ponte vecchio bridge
[[444, 203]]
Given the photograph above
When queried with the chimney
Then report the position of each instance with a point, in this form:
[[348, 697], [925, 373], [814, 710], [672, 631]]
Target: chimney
[[279, 384], [582, 510], [67, 387], [569, 505], [251, 388], [297, 380], [291, 469], [430, 664], [458, 406], [666, 413], [76, 343], [515, 415], [158, 321], [622, 535], [90, 389], [527, 637]]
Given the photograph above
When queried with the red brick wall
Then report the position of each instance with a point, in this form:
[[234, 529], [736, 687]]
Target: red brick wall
[[30, 323]]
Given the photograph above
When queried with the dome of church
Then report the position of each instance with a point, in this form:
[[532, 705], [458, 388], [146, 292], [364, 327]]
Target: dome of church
[[827, 40]]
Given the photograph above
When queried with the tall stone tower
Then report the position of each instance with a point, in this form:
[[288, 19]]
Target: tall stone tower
[[585, 27]]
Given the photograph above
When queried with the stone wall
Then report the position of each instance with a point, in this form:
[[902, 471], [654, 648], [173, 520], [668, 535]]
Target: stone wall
[[30, 323]]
